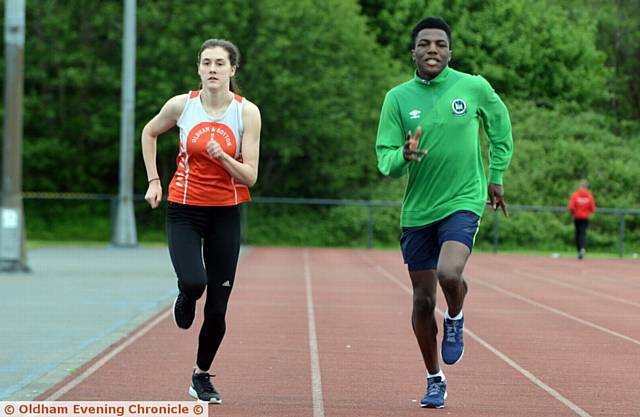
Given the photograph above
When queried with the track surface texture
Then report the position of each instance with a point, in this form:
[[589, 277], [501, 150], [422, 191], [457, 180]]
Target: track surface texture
[[326, 332]]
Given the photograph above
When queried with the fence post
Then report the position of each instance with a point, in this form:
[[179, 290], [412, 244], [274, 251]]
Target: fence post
[[496, 230], [369, 226], [621, 243]]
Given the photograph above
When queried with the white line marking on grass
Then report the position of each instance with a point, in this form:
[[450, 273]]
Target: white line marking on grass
[[316, 382], [93, 368], [531, 377]]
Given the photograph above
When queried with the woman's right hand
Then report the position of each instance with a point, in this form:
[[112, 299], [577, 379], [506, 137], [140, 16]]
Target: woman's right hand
[[154, 194]]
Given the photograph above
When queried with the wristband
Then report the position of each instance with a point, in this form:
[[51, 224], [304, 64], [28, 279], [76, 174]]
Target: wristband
[[153, 179]]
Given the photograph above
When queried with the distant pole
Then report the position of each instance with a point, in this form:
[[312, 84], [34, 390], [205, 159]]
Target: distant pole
[[621, 239], [13, 253], [369, 226], [125, 228]]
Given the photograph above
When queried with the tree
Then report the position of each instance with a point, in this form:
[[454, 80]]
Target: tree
[[528, 50], [619, 29], [72, 91], [319, 78]]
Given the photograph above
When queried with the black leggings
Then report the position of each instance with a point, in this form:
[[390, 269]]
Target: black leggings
[[581, 233], [212, 235]]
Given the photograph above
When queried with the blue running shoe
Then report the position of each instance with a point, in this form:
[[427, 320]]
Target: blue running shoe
[[436, 393], [453, 342]]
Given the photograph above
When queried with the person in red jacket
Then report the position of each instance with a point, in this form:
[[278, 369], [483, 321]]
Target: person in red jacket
[[582, 205]]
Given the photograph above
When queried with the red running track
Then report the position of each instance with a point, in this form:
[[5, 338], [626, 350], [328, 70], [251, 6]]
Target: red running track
[[326, 333]]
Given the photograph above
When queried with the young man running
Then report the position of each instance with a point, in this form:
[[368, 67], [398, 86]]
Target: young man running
[[447, 190]]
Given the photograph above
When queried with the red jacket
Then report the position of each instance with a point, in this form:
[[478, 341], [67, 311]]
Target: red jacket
[[582, 204]]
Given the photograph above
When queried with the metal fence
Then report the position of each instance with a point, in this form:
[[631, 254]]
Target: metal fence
[[370, 206], [620, 213]]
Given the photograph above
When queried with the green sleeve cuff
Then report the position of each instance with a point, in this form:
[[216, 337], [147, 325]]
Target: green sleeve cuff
[[399, 159], [392, 163], [400, 165], [495, 176]]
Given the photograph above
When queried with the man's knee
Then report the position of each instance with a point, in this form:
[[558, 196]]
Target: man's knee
[[449, 277], [424, 304]]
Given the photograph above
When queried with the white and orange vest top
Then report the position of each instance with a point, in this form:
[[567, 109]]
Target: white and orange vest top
[[201, 180]]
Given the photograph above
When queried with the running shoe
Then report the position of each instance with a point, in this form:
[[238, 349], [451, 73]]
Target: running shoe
[[202, 389], [436, 393], [184, 311], [453, 341]]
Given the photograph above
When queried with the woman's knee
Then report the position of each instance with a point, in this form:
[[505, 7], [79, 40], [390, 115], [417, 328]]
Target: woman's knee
[[192, 288], [215, 320], [215, 308]]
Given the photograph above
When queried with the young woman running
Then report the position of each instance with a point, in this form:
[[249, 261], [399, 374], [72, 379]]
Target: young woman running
[[216, 164]]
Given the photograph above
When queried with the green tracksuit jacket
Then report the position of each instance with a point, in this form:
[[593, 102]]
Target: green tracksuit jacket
[[451, 177]]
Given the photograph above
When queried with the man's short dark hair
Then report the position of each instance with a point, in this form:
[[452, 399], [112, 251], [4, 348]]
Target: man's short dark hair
[[430, 22]]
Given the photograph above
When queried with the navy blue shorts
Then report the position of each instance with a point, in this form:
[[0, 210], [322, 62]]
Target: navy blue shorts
[[421, 245]]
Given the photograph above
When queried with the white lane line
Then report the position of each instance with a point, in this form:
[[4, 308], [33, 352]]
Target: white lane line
[[588, 270], [135, 336], [316, 382], [576, 287], [555, 311], [531, 377], [93, 368]]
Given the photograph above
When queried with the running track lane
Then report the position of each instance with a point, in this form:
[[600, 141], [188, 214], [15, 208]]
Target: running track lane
[[368, 363], [262, 367], [573, 349], [366, 302]]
